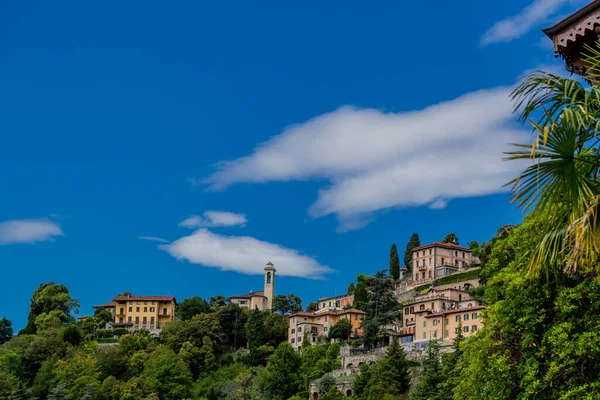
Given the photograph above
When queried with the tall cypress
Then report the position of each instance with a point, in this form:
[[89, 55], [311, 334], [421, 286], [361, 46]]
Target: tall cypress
[[394, 263], [412, 243]]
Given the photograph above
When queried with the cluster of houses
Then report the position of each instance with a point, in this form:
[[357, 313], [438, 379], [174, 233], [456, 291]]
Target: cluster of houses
[[429, 311]]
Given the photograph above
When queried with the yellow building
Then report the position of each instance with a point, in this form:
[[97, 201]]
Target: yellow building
[[437, 314], [316, 324], [262, 300], [141, 312], [437, 259]]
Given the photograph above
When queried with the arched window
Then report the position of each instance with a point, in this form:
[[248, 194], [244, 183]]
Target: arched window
[[268, 277]]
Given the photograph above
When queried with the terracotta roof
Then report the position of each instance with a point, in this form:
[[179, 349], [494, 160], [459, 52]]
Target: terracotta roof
[[455, 311], [107, 305], [260, 293], [144, 298], [571, 18], [440, 244]]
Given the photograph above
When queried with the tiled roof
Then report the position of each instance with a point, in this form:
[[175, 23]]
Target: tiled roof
[[107, 305], [445, 245], [260, 293], [341, 296], [144, 298], [455, 311]]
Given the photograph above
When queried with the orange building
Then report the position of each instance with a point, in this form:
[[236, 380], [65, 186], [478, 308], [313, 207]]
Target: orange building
[[316, 324]]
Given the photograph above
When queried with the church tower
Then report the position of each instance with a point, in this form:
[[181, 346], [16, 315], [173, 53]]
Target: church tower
[[269, 284]]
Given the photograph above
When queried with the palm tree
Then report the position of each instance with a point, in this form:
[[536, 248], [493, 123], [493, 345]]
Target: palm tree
[[562, 185]]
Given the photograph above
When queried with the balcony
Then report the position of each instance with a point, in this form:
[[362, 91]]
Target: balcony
[[410, 323]]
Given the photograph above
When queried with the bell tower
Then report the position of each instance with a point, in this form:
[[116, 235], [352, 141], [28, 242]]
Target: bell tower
[[269, 290]]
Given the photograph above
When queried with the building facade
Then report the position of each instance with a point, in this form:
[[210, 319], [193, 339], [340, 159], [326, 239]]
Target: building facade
[[436, 260], [437, 315], [315, 324], [150, 313], [261, 300], [334, 303]]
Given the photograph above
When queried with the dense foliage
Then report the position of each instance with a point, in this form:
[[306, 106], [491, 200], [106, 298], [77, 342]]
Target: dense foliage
[[394, 263], [413, 242]]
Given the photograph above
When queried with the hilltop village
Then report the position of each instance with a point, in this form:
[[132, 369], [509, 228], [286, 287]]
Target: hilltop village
[[431, 301]]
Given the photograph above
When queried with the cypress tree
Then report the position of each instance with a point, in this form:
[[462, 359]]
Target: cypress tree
[[394, 263], [412, 243]]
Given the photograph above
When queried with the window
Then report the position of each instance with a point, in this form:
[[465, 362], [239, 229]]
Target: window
[[122, 311], [466, 317], [130, 302], [145, 309], [153, 302], [406, 321], [268, 277], [463, 254], [455, 253], [412, 310], [164, 311], [137, 320], [130, 309], [423, 275], [144, 320], [435, 333], [429, 251], [474, 328], [300, 339], [356, 317], [460, 297], [325, 329], [435, 322], [329, 304], [429, 274], [446, 333], [137, 309], [293, 340], [355, 332], [128, 319], [299, 329], [422, 307], [466, 329], [424, 324], [406, 310], [430, 262], [474, 315], [456, 263], [293, 331], [145, 303], [432, 306], [326, 318], [446, 321], [137, 302], [420, 314], [424, 335], [442, 260], [456, 330], [458, 318]]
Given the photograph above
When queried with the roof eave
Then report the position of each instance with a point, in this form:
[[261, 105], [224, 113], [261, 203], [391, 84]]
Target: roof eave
[[559, 26]]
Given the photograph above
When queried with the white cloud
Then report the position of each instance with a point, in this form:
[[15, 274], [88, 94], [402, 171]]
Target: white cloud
[[243, 254], [214, 219], [153, 239], [375, 160], [28, 231], [530, 17]]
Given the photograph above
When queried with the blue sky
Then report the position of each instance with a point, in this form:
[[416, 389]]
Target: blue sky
[[330, 130]]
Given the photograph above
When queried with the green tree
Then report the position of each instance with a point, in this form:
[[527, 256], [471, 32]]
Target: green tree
[[47, 298], [6, 330], [255, 329], [233, 320], [394, 263], [167, 375], [281, 304], [314, 306], [382, 307], [450, 238], [361, 292], [190, 307], [430, 375], [295, 303], [218, 301], [276, 329], [326, 382], [351, 288], [283, 380], [176, 333], [413, 243], [341, 329]]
